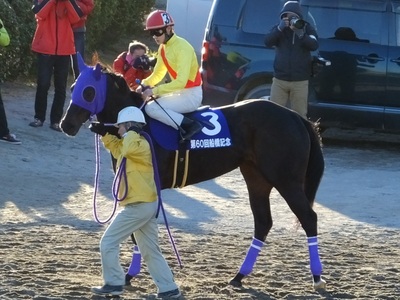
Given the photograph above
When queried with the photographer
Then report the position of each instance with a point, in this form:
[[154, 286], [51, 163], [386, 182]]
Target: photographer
[[133, 64], [293, 39]]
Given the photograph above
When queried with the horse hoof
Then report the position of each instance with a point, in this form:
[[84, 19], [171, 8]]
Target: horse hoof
[[235, 283], [320, 285]]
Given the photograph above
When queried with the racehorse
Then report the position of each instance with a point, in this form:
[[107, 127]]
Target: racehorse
[[273, 147]]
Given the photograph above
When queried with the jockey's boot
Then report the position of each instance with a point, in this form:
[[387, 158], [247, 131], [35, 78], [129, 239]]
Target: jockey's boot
[[190, 127]]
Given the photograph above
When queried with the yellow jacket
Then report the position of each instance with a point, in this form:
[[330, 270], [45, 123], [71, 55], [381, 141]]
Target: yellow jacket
[[182, 59], [139, 166]]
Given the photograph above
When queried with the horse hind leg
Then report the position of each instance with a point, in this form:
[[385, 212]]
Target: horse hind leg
[[301, 207], [259, 190]]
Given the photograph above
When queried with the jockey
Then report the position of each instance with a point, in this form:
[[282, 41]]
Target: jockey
[[183, 93]]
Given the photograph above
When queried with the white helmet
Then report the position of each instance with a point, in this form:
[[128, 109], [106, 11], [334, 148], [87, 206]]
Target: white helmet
[[130, 114]]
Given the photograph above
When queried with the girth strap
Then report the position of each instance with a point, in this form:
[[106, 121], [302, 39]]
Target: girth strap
[[181, 168]]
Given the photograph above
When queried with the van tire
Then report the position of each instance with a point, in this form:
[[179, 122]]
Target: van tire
[[257, 92]]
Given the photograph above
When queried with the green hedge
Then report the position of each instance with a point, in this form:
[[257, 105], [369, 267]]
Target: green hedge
[[110, 21]]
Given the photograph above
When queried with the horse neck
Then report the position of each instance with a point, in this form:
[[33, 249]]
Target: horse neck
[[115, 101]]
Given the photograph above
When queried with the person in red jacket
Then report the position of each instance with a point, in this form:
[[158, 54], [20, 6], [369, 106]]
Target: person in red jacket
[[79, 32], [133, 64], [54, 44]]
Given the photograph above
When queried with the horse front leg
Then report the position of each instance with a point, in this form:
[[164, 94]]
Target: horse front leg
[[259, 192], [134, 267]]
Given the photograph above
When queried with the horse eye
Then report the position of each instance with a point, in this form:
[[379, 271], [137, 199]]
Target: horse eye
[[89, 93]]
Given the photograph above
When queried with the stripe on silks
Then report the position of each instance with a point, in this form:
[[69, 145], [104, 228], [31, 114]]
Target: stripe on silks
[[315, 262], [251, 257], [134, 267]]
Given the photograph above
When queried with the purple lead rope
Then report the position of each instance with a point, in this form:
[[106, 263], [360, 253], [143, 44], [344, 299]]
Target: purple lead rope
[[160, 204], [96, 185], [121, 174]]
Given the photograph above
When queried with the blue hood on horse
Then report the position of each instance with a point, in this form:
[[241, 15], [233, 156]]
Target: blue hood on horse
[[89, 90]]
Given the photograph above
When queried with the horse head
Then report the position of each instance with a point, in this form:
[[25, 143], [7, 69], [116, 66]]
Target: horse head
[[91, 95]]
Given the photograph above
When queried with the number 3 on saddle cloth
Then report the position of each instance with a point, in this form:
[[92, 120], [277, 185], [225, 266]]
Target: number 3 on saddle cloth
[[215, 133]]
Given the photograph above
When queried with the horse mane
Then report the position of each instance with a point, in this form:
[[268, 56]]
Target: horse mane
[[106, 68], [118, 79]]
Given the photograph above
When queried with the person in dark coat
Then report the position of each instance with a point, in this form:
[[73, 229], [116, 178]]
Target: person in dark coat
[[293, 39]]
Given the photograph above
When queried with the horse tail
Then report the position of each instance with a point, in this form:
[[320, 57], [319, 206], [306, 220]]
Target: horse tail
[[316, 163]]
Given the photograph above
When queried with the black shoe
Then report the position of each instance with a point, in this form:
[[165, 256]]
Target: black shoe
[[56, 127], [174, 294], [36, 123], [107, 289], [190, 128], [11, 139]]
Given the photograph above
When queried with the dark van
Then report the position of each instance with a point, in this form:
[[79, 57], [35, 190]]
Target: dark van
[[361, 38]]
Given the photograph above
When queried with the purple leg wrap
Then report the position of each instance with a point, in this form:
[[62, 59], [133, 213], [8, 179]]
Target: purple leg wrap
[[315, 262], [251, 257], [134, 268]]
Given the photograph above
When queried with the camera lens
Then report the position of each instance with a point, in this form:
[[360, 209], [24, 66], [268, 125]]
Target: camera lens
[[297, 23]]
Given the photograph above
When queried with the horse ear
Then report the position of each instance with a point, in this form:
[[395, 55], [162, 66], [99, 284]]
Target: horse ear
[[97, 71], [81, 64]]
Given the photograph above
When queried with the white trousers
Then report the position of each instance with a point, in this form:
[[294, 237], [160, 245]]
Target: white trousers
[[171, 106], [139, 219]]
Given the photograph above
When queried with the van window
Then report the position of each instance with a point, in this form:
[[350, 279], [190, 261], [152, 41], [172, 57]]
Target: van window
[[226, 14], [348, 23], [259, 15], [370, 5], [396, 10]]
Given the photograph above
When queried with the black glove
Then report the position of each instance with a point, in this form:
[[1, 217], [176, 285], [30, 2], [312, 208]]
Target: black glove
[[136, 128], [98, 128], [282, 24], [142, 62], [299, 32]]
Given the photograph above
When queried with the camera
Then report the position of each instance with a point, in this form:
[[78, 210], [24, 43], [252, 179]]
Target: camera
[[297, 23]]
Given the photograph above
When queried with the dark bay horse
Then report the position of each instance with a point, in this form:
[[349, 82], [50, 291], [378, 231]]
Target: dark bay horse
[[273, 147]]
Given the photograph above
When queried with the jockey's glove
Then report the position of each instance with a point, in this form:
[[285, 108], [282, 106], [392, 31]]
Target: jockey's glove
[[98, 128]]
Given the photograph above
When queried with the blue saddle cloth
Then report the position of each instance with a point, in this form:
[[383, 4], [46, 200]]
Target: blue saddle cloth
[[215, 133]]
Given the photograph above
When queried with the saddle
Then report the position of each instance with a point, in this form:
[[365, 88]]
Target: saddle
[[214, 134]]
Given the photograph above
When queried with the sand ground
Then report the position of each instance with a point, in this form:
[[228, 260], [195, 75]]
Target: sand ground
[[49, 240]]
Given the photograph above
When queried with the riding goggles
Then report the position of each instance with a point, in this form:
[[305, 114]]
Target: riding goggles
[[157, 32]]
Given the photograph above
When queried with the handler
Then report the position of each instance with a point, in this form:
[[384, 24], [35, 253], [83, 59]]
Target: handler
[[139, 208]]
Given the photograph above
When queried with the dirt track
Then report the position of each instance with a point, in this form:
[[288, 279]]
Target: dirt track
[[49, 241]]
